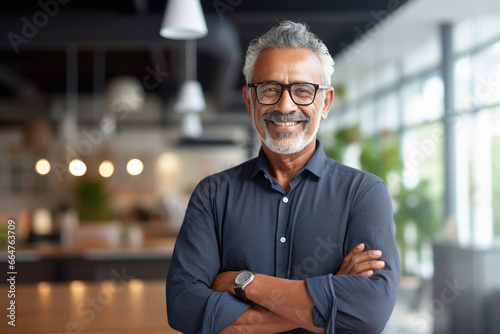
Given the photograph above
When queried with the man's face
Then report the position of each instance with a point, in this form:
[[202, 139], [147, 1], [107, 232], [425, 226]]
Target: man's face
[[285, 127]]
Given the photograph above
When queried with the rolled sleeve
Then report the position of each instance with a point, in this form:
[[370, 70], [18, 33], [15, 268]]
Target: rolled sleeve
[[352, 304], [325, 303], [221, 311]]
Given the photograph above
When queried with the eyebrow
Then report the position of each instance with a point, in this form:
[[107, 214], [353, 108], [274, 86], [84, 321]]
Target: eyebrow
[[294, 82]]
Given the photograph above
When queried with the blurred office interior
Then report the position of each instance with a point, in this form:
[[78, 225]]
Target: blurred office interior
[[100, 149]]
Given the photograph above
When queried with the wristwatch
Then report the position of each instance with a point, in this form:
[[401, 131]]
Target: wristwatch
[[240, 283]]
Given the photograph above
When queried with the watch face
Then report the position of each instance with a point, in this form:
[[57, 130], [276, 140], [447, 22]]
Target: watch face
[[243, 277]]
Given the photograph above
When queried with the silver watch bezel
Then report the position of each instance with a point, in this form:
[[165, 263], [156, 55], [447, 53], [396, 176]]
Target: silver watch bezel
[[240, 282], [243, 279]]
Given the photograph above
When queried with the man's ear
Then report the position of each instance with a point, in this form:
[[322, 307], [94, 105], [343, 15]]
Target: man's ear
[[246, 98], [328, 102]]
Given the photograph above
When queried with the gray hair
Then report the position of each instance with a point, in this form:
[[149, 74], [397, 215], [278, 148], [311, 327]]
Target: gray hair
[[289, 34]]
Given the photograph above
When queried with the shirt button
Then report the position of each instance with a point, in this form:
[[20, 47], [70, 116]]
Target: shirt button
[[285, 199], [282, 240]]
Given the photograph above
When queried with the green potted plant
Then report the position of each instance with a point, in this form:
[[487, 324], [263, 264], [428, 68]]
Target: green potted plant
[[92, 201]]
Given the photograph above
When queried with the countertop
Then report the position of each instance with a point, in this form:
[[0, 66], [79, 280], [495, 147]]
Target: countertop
[[108, 307]]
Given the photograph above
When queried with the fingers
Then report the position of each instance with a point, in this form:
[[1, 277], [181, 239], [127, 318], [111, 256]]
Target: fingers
[[356, 250], [366, 266], [347, 262], [358, 262], [368, 273], [364, 262], [366, 256]]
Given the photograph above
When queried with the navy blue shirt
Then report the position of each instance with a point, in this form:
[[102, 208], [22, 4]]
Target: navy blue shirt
[[242, 219]]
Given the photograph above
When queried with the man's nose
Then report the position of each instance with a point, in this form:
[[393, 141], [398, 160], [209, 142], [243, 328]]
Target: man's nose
[[286, 104]]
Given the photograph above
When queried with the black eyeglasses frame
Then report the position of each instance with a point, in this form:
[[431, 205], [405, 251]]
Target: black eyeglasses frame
[[287, 87]]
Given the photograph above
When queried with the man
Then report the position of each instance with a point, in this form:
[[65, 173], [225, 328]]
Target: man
[[291, 240]]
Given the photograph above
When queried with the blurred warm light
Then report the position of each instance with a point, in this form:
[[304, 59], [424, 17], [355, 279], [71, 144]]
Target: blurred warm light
[[134, 167], [42, 167], [136, 288], [44, 297], [78, 292], [77, 167], [136, 284], [106, 169], [43, 288], [77, 286], [168, 163], [108, 285]]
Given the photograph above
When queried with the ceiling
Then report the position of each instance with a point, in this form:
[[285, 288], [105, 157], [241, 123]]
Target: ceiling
[[412, 38], [109, 38]]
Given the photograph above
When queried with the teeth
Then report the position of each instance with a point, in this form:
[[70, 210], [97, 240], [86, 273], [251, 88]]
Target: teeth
[[285, 123]]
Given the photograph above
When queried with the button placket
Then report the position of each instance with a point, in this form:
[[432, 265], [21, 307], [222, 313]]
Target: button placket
[[282, 246]]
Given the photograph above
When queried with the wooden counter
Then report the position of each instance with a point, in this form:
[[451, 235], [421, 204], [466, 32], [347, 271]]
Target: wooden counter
[[56, 263], [109, 307], [157, 247]]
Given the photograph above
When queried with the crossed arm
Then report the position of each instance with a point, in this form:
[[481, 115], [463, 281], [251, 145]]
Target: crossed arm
[[357, 299], [283, 305]]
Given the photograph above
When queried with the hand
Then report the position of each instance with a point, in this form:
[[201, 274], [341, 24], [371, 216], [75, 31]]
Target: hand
[[358, 262], [225, 281]]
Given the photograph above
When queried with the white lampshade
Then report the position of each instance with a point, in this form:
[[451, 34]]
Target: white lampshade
[[183, 19], [191, 125], [190, 98], [124, 94], [42, 222]]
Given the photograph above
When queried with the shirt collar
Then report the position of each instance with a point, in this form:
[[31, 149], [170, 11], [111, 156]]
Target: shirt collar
[[315, 165]]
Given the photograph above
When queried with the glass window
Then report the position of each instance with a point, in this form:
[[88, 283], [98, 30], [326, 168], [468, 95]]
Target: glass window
[[463, 84], [478, 183], [350, 116], [486, 76], [367, 86], [463, 132], [495, 152], [432, 98], [420, 206], [426, 55], [387, 112], [422, 151], [346, 117], [412, 104], [423, 103], [386, 76], [367, 118]]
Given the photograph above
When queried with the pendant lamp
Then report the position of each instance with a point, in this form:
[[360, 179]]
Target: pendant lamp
[[183, 19]]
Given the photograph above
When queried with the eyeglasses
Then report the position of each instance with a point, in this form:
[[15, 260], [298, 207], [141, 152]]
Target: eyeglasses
[[302, 93]]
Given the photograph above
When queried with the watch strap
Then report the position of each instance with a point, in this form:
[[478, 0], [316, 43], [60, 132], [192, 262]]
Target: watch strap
[[240, 293]]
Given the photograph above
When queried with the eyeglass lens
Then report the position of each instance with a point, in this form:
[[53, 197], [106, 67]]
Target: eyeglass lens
[[270, 93]]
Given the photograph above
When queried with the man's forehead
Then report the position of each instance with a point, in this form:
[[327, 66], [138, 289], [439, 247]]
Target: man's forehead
[[291, 61]]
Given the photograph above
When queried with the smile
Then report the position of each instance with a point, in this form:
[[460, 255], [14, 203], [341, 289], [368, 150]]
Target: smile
[[277, 123]]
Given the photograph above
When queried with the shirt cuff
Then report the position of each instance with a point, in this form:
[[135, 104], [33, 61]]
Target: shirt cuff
[[222, 310], [325, 302]]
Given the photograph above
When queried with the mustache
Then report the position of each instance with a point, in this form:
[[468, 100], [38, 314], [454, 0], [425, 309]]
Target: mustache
[[280, 117]]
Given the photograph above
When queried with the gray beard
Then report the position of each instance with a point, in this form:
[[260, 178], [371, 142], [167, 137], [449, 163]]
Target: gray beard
[[286, 145]]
